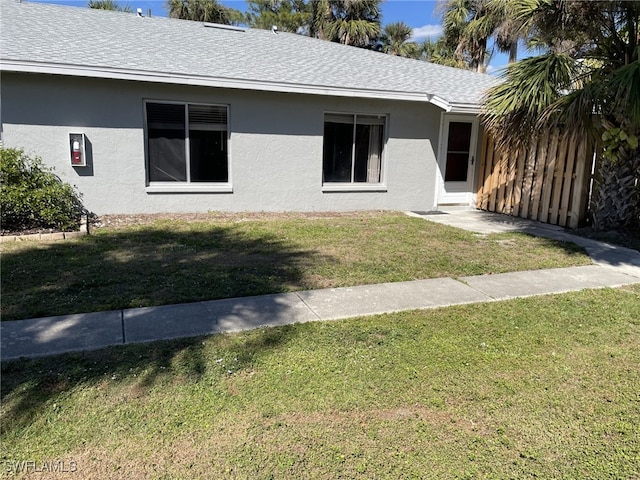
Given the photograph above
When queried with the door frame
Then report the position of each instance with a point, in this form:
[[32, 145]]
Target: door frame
[[457, 193]]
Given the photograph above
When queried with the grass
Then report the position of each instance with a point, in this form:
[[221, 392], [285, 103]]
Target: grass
[[176, 261], [544, 387]]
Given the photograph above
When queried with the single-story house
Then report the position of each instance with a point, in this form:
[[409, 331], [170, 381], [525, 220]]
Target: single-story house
[[150, 114]]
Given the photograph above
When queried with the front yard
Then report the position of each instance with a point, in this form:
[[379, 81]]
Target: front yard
[[174, 260], [544, 387]]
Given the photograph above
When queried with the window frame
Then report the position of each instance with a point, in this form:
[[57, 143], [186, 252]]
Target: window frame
[[353, 186], [186, 186]]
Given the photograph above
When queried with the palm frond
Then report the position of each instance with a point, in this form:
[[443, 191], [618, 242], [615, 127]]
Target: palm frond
[[512, 108], [606, 98], [623, 88]]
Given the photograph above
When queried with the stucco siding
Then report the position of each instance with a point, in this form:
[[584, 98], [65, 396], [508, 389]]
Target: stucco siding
[[275, 145]]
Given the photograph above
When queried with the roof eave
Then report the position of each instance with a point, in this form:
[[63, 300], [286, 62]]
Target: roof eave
[[455, 107]]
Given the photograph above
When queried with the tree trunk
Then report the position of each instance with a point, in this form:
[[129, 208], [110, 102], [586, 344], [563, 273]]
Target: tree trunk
[[481, 67], [616, 199], [513, 52]]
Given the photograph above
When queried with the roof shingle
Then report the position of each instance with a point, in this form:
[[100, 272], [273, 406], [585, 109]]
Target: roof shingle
[[83, 41]]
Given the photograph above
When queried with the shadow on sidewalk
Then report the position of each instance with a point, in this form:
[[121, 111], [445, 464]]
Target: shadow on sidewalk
[[127, 269]]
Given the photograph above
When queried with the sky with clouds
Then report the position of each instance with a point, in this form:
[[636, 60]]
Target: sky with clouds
[[426, 31]]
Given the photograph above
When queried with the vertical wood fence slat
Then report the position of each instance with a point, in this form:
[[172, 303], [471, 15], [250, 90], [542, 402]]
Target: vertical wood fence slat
[[568, 181], [547, 180], [511, 179], [558, 177], [547, 185], [492, 153], [488, 168], [538, 180], [517, 196], [530, 167], [494, 180], [502, 179], [578, 186]]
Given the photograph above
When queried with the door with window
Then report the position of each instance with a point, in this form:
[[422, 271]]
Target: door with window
[[458, 159]]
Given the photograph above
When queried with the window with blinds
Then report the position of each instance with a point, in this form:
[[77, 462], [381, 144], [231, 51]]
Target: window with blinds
[[187, 142]]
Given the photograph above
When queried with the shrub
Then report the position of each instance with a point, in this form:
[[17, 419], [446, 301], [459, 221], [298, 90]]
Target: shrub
[[32, 196]]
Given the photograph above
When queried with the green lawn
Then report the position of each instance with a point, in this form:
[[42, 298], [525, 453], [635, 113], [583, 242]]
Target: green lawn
[[221, 256], [545, 387]]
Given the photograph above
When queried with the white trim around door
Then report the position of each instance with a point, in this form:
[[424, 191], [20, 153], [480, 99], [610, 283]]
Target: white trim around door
[[457, 159]]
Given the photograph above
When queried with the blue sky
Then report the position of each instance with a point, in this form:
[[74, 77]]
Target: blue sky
[[421, 15]]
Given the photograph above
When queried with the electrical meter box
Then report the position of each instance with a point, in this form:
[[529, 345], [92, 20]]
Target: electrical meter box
[[77, 150]]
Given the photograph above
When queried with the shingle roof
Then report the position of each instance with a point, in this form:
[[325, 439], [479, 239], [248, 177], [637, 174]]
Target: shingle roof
[[81, 41]]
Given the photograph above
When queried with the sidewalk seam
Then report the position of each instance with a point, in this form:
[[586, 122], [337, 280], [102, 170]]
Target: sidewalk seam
[[124, 338], [489, 297], [308, 306]]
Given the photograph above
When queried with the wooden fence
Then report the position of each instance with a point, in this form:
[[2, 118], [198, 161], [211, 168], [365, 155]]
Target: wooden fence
[[547, 181]]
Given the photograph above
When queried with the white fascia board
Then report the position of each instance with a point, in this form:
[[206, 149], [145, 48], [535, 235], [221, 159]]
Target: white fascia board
[[182, 79], [470, 108], [440, 102], [454, 107]]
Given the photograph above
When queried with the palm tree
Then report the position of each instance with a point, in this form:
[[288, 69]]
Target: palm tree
[[470, 25], [585, 81], [109, 5], [288, 15], [321, 16], [440, 52], [203, 11], [508, 29], [395, 41], [350, 22]]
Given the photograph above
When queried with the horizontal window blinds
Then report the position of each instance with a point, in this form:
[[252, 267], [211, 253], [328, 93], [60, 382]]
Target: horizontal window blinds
[[165, 116], [359, 119], [207, 117]]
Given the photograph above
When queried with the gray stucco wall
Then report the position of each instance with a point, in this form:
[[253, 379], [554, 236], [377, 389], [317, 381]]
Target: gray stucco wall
[[275, 145]]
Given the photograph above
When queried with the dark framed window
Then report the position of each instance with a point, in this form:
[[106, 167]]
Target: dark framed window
[[187, 142], [458, 151], [352, 149]]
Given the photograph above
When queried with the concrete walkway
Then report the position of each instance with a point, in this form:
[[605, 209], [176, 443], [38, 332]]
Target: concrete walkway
[[613, 267], [622, 259]]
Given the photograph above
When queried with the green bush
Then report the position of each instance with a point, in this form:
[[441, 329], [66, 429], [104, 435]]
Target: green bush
[[32, 196]]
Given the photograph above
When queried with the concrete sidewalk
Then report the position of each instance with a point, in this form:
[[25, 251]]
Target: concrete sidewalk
[[53, 335], [621, 258]]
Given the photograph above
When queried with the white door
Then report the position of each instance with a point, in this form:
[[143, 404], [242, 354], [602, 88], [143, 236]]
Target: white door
[[457, 159]]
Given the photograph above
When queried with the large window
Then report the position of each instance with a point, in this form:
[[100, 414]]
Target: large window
[[353, 148], [187, 143]]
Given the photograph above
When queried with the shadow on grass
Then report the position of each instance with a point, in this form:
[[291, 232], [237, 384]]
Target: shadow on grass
[[133, 268], [32, 387], [145, 267]]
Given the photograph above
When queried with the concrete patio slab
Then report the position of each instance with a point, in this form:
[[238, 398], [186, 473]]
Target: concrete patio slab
[[622, 259], [52, 335], [480, 221]]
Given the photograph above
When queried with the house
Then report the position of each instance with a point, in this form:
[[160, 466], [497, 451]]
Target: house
[[149, 114]]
